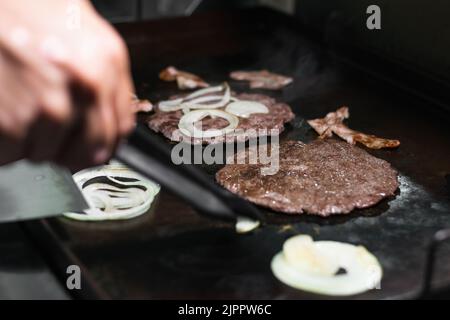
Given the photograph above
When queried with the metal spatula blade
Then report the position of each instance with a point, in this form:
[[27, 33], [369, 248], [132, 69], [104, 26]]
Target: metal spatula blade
[[31, 191]]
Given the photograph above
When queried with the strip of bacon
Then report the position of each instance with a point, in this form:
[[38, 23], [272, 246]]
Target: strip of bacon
[[323, 125], [333, 123], [185, 80], [262, 79]]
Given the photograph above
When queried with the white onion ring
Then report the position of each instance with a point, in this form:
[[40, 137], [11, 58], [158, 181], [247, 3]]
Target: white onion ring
[[204, 91], [207, 99], [195, 104], [193, 101], [170, 105], [244, 108], [301, 252], [187, 123], [116, 203], [363, 271]]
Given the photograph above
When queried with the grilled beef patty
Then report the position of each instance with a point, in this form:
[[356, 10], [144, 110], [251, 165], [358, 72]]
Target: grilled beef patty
[[279, 114], [324, 177]]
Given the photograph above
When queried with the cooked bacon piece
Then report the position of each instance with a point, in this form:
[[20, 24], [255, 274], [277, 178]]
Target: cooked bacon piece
[[262, 79], [140, 105], [323, 125], [370, 141], [185, 80], [333, 123]]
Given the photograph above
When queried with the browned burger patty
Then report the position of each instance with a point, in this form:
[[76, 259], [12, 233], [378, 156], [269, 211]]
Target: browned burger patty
[[279, 114], [324, 177]]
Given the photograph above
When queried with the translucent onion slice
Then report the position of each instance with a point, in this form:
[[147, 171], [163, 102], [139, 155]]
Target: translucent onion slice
[[196, 103], [204, 91], [190, 102], [187, 123], [245, 225], [170, 105], [113, 199], [244, 108], [301, 252], [204, 99], [298, 270]]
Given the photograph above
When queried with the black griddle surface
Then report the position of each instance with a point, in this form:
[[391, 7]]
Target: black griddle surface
[[173, 253]]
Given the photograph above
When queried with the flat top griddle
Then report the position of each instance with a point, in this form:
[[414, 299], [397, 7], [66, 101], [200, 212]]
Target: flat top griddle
[[171, 252]]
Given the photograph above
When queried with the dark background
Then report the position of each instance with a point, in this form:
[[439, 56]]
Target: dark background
[[123, 10], [414, 32]]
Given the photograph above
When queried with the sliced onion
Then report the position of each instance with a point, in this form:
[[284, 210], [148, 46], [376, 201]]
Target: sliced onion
[[301, 252], [108, 201], [297, 264], [170, 105], [194, 100], [204, 91], [244, 108], [195, 104], [245, 225], [188, 121], [204, 99]]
